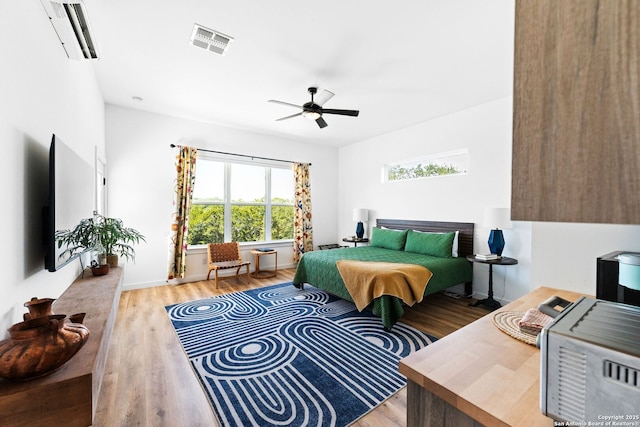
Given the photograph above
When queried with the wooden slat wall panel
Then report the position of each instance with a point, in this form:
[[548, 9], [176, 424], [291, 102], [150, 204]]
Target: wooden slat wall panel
[[576, 134]]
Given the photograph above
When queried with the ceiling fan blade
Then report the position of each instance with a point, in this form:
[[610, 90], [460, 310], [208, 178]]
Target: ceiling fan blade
[[288, 117], [353, 113], [320, 121], [285, 103], [323, 97]]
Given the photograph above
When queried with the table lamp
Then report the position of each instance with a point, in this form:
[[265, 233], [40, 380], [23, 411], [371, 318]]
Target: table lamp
[[497, 218], [360, 216]]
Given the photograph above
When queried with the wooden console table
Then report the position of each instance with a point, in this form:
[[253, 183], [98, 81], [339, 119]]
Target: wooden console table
[[478, 375], [69, 395]]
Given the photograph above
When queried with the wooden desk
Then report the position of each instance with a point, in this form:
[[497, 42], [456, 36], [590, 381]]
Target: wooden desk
[[478, 375]]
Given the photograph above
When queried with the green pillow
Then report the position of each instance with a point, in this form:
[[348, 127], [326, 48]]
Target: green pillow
[[434, 244], [388, 239]]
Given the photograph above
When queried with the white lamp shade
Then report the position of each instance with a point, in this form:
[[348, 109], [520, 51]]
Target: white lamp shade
[[498, 218], [360, 215]]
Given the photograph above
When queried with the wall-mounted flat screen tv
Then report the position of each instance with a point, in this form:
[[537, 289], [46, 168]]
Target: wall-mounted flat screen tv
[[71, 198]]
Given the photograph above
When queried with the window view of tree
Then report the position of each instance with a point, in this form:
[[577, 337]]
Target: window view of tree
[[453, 163], [247, 223], [241, 202], [282, 222], [282, 191], [399, 172]]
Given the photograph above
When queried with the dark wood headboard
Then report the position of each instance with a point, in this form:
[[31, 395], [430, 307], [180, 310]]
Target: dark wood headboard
[[465, 229]]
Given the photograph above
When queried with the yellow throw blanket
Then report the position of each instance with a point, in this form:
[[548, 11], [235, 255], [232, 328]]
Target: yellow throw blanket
[[367, 280]]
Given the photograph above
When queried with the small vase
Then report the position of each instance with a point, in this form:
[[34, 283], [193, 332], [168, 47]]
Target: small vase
[[100, 270], [38, 307], [39, 346]]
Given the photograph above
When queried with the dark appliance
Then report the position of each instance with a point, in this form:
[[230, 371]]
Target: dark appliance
[[608, 284]]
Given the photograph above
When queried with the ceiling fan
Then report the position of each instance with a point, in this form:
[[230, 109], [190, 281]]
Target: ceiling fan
[[313, 109]]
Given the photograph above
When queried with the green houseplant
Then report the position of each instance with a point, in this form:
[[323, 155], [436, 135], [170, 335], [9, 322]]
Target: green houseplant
[[76, 240], [117, 239], [110, 233]]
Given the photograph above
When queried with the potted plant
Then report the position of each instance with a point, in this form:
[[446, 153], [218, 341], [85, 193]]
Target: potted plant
[[117, 239], [78, 239], [109, 233]]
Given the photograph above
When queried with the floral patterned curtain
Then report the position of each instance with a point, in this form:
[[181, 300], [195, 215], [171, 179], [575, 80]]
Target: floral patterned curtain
[[303, 231], [185, 178]]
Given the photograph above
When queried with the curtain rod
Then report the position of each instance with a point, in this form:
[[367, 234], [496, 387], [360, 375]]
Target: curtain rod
[[240, 155]]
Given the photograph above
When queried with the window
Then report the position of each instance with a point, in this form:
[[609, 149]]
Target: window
[[242, 202], [451, 163]]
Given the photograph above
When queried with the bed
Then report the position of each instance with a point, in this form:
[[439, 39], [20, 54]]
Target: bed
[[319, 268]]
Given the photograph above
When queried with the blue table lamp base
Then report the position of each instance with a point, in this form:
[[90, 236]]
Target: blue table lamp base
[[496, 242], [360, 230]]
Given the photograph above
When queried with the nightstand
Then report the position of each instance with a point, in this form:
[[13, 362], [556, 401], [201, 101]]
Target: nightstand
[[489, 302], [355, 240]]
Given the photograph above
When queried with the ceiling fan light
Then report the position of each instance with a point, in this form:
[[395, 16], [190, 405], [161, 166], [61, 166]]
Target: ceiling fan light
[[313, 115]]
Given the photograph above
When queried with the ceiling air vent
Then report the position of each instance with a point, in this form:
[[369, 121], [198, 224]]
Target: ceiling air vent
[[71, 24], [210, 40]]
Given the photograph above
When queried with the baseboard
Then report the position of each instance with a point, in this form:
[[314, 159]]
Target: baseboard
[[195, 278]]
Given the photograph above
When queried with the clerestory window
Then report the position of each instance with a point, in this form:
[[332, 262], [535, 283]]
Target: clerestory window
[[441, 164]]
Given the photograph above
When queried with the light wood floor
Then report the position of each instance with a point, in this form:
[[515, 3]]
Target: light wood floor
[[149, 382]]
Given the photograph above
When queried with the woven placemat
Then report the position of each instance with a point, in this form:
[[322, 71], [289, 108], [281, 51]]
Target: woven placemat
[[507, 322]]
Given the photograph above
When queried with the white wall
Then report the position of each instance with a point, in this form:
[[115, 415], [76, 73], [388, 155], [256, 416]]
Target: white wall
[[564, 254], [141, 179], [43, 92]]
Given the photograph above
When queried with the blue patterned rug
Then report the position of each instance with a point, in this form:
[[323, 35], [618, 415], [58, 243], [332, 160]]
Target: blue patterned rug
[[283, 356]]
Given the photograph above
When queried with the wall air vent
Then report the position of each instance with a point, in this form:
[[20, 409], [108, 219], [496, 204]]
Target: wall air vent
[[71, 24], [210, 40]]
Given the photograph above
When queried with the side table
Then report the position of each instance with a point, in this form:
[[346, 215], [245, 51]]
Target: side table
[[264, 274], [355, 240], [489, 302]]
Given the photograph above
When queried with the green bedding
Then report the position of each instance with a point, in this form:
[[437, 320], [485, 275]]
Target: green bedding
[[319, 269]]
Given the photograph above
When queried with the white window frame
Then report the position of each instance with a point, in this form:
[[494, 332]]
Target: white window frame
[[228, 162]]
